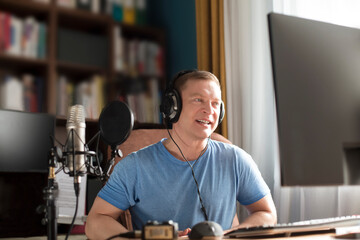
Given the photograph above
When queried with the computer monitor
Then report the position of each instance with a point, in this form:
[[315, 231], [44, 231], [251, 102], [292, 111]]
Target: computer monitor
[[25, 141], [316, 72]]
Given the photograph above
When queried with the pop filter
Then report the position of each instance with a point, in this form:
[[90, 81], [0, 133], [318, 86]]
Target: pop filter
[[115, 122]]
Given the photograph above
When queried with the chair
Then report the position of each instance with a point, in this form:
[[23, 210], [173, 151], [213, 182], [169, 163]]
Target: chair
[[139, 139]]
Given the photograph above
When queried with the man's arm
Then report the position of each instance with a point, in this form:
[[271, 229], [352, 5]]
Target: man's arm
[[102, 221], [262, 212]]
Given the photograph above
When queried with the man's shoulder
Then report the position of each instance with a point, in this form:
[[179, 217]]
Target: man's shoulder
[[229, 149], [224, 145], [141, 156], [150, 148], [146, 151]]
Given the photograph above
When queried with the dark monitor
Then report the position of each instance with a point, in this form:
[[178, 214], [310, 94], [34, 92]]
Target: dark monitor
[[316, 70], [25, 141]]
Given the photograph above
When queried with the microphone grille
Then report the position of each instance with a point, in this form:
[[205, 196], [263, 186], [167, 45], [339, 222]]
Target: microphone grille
[[76, 114]]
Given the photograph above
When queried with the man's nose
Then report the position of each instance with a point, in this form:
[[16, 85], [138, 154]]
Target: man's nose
[[208, 108]]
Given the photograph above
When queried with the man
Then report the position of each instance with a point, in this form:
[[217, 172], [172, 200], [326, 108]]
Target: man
[[188, 177]]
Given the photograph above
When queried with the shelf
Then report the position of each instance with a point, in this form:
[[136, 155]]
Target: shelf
[[82, 19], [121, 74], [79, 69], [83, 15], [13, 62], [14, 59], [25, 7], [142, 31]]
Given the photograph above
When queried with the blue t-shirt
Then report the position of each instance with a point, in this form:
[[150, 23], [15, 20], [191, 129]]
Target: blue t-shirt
[[155, 185]]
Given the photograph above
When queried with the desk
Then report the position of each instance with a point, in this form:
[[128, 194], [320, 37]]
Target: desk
[[327, 236], [59, 237]]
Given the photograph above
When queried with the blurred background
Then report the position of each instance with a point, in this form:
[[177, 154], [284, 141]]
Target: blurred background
[[55, 54]]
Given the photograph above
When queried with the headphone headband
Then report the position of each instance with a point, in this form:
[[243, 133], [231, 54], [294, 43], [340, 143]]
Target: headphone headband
[[171, 85]]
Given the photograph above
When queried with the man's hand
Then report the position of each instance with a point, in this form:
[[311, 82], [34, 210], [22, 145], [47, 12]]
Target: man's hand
[[184, 233]]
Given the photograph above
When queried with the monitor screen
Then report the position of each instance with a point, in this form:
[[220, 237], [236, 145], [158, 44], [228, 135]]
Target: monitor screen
[[316, 70], [25, 141]]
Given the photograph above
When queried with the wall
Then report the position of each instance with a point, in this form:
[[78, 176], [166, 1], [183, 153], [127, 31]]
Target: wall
[[177, 17]]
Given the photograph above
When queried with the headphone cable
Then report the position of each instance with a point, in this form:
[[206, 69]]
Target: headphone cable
[[193, 173]]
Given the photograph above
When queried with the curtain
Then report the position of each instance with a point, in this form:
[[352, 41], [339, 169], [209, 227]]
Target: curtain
[[251, 106], [250, 100], [210, 45]]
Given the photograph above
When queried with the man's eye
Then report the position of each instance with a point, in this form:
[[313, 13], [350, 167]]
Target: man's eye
[[197, 100], [216, 104]]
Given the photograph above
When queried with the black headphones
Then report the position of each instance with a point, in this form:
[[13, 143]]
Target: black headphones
[[171, 104]]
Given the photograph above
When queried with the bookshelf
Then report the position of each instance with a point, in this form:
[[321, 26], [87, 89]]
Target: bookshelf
[[67, 57], [132, 78]]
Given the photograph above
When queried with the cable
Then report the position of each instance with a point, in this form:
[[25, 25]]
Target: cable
[[93, 138], [134, 234], [73, 220], [193, 173], [76, 184]]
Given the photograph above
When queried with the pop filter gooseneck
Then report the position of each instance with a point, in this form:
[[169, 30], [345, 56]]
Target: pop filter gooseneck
[[115, 122]]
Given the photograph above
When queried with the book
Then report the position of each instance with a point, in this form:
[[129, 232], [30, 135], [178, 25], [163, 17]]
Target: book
[[40, 93], [42, 41], [82, 96], [141, 57], [132, 57], [140, 12], [117, 10], [6, 31], [155, 99], [2, 31], [129, 11], [95, 6], [66, 3], [16, 26], [65, 95], [97, 95], [12, 93], [28, 38], [29, 94], [118, 49]]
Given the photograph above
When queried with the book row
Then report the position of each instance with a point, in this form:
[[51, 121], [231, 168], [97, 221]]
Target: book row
[[88, 92], [124, 11], [22, 36], [143, 98], [137, 57], [26, 93], [22, 93]]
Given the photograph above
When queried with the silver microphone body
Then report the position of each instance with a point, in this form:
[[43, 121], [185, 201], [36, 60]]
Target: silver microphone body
[[75, 128]]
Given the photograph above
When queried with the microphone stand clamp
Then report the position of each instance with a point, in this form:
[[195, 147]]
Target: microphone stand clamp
[[114, 153], [51, 194]]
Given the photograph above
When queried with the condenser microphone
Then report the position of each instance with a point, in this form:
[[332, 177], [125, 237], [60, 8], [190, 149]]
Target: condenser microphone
[[75, 128]]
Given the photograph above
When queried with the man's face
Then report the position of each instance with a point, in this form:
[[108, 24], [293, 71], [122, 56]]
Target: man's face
[[201, 101]]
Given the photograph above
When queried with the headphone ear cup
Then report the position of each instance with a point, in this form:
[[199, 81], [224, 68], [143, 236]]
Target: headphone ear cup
[[171, 106], [222, 113]]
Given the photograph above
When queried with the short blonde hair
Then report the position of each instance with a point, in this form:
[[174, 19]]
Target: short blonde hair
[[182, 78]]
